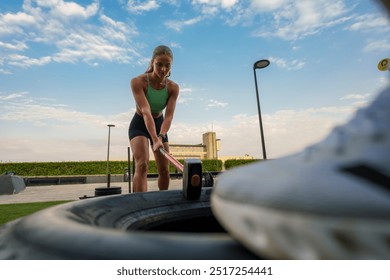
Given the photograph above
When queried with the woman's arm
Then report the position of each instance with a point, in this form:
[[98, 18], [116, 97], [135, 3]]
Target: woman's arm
[[170, 109]]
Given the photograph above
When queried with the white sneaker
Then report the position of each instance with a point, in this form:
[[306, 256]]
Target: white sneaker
[[331, 201]]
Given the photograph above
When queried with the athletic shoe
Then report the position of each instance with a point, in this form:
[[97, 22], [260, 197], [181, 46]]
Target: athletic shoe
[[330, 201]]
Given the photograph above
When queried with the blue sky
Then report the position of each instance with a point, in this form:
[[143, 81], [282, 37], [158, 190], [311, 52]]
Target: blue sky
[[65, 68]]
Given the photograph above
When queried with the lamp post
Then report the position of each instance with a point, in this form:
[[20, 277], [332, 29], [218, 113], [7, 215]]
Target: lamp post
[[108, 155], [260, 65]]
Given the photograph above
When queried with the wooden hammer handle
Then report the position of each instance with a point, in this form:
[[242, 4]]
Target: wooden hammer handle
[[174, 161]]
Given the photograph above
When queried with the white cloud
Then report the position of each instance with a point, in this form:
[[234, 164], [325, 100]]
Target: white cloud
[[26, 62], [70, 10], [225, 4], [13, 96], [20, 19], [89, 47], [356, 96], [369, 22], [377, 46], [116, 30], [5, 72], [267, 5], [48, 150], [18, 46], [137, 6], [21, 107], [185, 95], [213, 7], [64, 27], [67, 10], [293, 64], [58, 131], [285, 131], [216, 104], [175, 45], [14, 23], [299, 19], [286, 19], [178, 25]]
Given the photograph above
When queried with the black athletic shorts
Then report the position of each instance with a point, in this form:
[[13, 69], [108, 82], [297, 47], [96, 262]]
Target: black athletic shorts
[[138, 128]]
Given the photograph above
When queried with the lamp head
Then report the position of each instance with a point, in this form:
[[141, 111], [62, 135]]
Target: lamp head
[[261, 64], [111, 125]]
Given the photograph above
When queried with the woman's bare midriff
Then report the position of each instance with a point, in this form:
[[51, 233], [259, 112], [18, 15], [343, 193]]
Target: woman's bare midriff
[[154, 115]]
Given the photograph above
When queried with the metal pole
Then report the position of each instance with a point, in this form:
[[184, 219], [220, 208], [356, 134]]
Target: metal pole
[[133, 167], [108, 156], [128, 167], [259, 112]]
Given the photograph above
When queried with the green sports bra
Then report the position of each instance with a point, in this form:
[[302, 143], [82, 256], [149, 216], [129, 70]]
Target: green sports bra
[[157, 98]]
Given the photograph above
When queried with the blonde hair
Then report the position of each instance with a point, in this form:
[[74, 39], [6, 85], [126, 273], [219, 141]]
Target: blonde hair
[[159, 50]]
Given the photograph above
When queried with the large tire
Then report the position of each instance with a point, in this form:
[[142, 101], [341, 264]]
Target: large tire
[[132, 226]]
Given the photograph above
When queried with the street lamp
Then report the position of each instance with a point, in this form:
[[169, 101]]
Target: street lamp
[[108, 155], [260, 65]]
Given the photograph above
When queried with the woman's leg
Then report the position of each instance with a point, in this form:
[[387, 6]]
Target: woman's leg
[[140, 148], [162, 168]]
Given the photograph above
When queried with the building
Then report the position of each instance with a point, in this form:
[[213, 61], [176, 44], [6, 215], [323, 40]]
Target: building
[[207, 150]]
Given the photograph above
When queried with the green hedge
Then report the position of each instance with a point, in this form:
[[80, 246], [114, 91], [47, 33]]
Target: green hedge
[[231, 163], [212, 165], [63, 168], [30, 169]]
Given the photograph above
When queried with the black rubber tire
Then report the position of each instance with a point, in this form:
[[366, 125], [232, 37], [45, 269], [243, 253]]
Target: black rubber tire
[[103, 191], [132, 226], [208, 180]]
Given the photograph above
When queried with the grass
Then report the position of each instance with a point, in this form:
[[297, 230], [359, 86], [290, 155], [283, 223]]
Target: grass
[[10, 212]]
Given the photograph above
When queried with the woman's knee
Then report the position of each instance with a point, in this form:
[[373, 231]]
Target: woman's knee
[[142, 166]]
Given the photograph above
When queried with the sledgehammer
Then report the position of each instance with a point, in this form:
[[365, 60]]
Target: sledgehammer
[[192, 175]]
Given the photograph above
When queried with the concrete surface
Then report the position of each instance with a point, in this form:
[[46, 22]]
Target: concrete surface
[[72, 192]]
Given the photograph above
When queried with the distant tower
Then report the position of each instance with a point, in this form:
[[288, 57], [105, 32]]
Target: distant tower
[[210, 143]]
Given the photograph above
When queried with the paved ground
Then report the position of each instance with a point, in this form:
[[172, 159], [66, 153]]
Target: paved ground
[[72, 192]]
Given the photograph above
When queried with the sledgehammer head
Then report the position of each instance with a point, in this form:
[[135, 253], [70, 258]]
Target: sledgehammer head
[[192, 179]]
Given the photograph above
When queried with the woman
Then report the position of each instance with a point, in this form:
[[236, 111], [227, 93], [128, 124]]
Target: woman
[[153, 92]]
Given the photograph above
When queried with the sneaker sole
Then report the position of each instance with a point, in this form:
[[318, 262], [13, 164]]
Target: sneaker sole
[[279, 234]]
